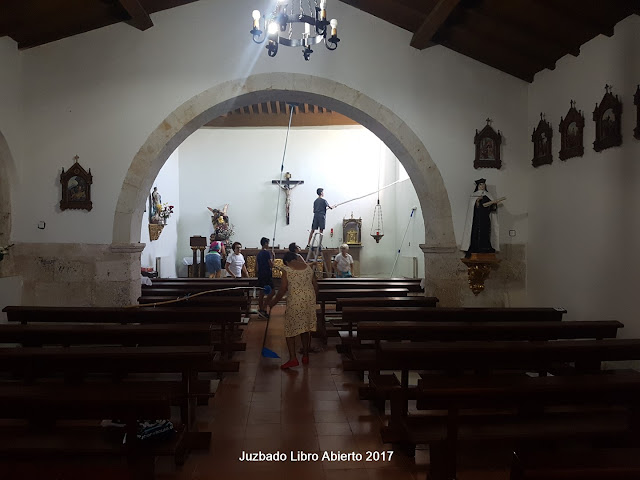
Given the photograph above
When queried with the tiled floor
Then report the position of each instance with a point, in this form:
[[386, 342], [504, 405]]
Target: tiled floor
[[311, 409]]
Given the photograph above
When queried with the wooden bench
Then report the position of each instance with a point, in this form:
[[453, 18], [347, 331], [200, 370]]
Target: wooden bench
[[515, 409], [377, 302], [37, 335], [360, 284], [460, 356], [199, 301], [81, 363], [581, 464], [226, 319], [331, 295], [364, 357], [351, 315], [43, 439]]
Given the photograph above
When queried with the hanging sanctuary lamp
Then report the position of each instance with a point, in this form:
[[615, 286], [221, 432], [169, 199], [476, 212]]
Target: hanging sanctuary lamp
[[377, 229]]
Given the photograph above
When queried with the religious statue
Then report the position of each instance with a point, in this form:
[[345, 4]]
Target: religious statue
[[481, 228], [155, 207], [222, 229], [287, 185]]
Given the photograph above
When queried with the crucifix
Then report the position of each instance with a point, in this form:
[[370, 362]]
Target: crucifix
[[287, 185]]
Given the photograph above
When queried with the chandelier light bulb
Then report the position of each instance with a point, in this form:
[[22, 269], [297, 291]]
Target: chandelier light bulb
[[334, 27], [272, 28], [256, 14], [323, 4]]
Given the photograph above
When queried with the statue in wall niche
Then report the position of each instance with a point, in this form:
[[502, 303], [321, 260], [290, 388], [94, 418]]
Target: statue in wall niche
[[155, 206], [481, 227]]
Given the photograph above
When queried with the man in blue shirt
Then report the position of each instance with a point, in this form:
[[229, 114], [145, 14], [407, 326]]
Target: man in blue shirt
[[264, 264], [320, 206]]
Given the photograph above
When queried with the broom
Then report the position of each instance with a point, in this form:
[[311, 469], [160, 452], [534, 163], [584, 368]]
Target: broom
[[267, 353]]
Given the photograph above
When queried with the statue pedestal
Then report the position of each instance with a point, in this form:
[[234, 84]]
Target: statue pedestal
[[479, 266]]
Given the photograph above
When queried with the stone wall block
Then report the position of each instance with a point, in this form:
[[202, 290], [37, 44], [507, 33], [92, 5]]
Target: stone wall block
[[114, 294], [113, 271], [70, 294], [72, 270]]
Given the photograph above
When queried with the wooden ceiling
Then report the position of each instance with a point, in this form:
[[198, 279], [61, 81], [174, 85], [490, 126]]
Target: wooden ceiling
[[519, 37], [36, 22], [276, 114]]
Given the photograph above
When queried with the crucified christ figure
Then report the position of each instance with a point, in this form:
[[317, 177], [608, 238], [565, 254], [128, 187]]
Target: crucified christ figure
[[287, 185]]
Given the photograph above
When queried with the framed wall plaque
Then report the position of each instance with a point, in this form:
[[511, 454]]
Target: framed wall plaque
[[352, 230], [571, 130], [636, 102], [607, 117], [76, 188], [487, 143], [541, 138]]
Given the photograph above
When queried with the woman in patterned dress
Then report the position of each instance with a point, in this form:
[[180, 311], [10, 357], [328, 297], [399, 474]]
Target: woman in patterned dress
[[299, 282]]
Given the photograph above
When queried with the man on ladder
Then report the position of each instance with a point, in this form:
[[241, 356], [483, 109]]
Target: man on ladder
[[320, 206]]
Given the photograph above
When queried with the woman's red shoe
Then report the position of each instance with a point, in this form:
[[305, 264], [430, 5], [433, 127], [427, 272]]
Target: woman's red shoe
[[289, 364], [305, 359]]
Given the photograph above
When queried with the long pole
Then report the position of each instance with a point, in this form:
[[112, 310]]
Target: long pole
[[402, 243], [380, 189], [286, 140]]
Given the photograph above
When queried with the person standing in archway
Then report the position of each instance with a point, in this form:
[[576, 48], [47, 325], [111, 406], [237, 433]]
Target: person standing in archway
[[320, 206]]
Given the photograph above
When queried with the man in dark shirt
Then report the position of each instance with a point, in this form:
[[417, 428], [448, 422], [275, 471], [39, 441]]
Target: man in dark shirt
[[320, 206], [264, 264]]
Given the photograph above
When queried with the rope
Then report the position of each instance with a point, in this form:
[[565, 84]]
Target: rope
[[188, 296], [286, 140]]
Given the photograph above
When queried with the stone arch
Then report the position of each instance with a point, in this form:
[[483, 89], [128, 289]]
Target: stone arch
[[440, 245], [291, 87], [7, 175]]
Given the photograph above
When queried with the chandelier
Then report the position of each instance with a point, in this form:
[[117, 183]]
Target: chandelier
[[279, 27]]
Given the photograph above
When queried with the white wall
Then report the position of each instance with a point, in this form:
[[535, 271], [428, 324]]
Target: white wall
[[168, 183], [584, 224], [237, 166], [100, 94]]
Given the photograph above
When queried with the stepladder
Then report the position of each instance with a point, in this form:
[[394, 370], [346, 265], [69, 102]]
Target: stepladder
[[315, 249]]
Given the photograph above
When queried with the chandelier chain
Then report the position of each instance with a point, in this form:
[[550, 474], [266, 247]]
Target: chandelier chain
[[291, 23]]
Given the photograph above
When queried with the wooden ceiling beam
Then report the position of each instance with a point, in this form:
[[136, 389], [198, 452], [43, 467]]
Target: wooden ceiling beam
[[391, 11], [140, 19], [597, 16], [498, 56], [423, 35]]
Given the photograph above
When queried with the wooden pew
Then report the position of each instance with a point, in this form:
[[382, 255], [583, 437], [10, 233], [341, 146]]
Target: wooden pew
[[357, 283], [199, 301], [226, 319], [331, 295], [81, 363], [352, 315], [513, 409], [37, 335], [460, 356], [380, 386], [580, 464], [43, 405], [377, 302]]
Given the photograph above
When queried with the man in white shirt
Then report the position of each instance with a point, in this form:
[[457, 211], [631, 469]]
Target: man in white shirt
[[343, 262], [235, 265]]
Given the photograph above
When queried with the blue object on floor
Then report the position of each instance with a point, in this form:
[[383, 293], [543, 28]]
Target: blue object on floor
[[267, 353]]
